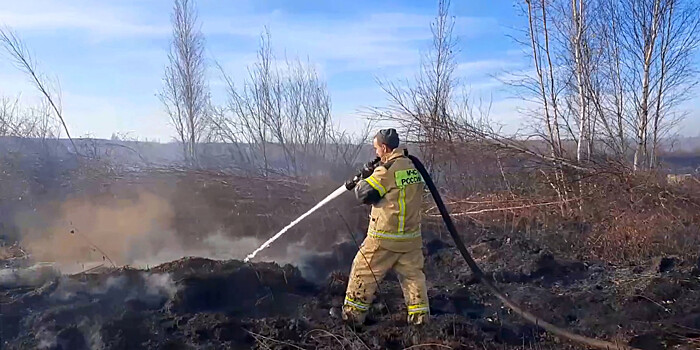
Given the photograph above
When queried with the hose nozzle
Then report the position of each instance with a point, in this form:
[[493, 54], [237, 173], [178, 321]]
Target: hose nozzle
[[364, 173]]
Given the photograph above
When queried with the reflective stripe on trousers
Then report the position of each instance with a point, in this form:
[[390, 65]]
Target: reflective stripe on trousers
[[370, 266], [394, 235], [418, 309], [356, 304]]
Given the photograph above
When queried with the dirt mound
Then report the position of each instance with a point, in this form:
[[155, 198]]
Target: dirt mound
[[243, 290], [129, 308]]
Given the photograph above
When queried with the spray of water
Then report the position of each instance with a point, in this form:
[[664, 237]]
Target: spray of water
[[330, 197]]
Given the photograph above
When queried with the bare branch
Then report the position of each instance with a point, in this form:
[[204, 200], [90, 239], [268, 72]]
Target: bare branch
[[20, 56]]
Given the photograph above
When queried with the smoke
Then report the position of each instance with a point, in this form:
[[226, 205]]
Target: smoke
[[150, 288], [214, 246], [81, 231], [85, 335], [33, 276], [318, 266], [92, 334], [143, 229], [160, 285], [46, 339], [69, 289]]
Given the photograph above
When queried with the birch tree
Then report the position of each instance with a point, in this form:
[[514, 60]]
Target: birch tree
[[185, 92]]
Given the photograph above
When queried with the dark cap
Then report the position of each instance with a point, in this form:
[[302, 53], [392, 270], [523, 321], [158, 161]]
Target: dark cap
[[388, 137]]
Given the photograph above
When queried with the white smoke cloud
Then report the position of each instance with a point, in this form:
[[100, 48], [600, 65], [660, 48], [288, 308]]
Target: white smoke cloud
[[46, 339], [33, 276], [160, 285]]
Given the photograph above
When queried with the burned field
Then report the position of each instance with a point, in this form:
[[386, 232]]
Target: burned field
[[177, 240], [196, 303], [561, 170]]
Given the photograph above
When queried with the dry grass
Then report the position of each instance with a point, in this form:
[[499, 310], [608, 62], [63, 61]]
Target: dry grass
[[617, 218], [11, 252], [639, 217]]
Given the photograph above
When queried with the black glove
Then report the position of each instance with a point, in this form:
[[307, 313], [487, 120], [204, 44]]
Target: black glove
[[350, 184], [364, 173], [369, 167]]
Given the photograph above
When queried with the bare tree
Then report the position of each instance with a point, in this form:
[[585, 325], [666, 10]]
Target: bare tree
[[437, 79], [185, 93], [346, 147], [431, 114], [243, 120], [642, 32], [581, 57], [602, 71], [9, 123], [679, 39], [23, 60], [607, 81], [281, 108], [542, 55], [543, 87], [424, 106], [303, 125], [657, 40]]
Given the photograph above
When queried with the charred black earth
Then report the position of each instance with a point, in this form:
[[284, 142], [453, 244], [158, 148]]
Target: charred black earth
[[196, 303]]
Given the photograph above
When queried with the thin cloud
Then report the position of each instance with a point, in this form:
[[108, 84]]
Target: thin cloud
[[104, 20], [374, 41], [82, 21], [485, 67]]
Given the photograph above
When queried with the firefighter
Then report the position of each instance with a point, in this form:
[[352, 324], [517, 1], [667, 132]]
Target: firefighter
[[394, 190]]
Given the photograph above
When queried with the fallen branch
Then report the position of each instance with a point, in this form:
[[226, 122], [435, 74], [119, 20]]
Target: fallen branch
[[474, 202], [94, 246], [328, 334], [257, 336], [88, 270], [360, 339], [431, 344], [508, 208], [652, 301]]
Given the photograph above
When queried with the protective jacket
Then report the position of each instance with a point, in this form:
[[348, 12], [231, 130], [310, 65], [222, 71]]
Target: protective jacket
[[395, 191], [393, 242]]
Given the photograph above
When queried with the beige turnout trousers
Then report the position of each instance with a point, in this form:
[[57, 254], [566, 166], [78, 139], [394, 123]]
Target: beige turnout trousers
[[369, 267]]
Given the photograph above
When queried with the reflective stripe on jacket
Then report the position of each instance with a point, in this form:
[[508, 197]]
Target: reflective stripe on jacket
[[395, 191]]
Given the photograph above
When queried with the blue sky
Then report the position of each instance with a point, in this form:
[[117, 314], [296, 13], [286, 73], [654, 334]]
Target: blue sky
[[109, 55]]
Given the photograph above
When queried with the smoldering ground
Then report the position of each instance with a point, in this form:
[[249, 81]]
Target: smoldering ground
[[196, 303], [75, 313]]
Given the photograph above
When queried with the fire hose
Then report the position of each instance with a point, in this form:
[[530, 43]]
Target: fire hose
[[485, 279]]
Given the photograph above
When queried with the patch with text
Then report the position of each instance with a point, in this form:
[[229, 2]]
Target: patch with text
[[407, 177]]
